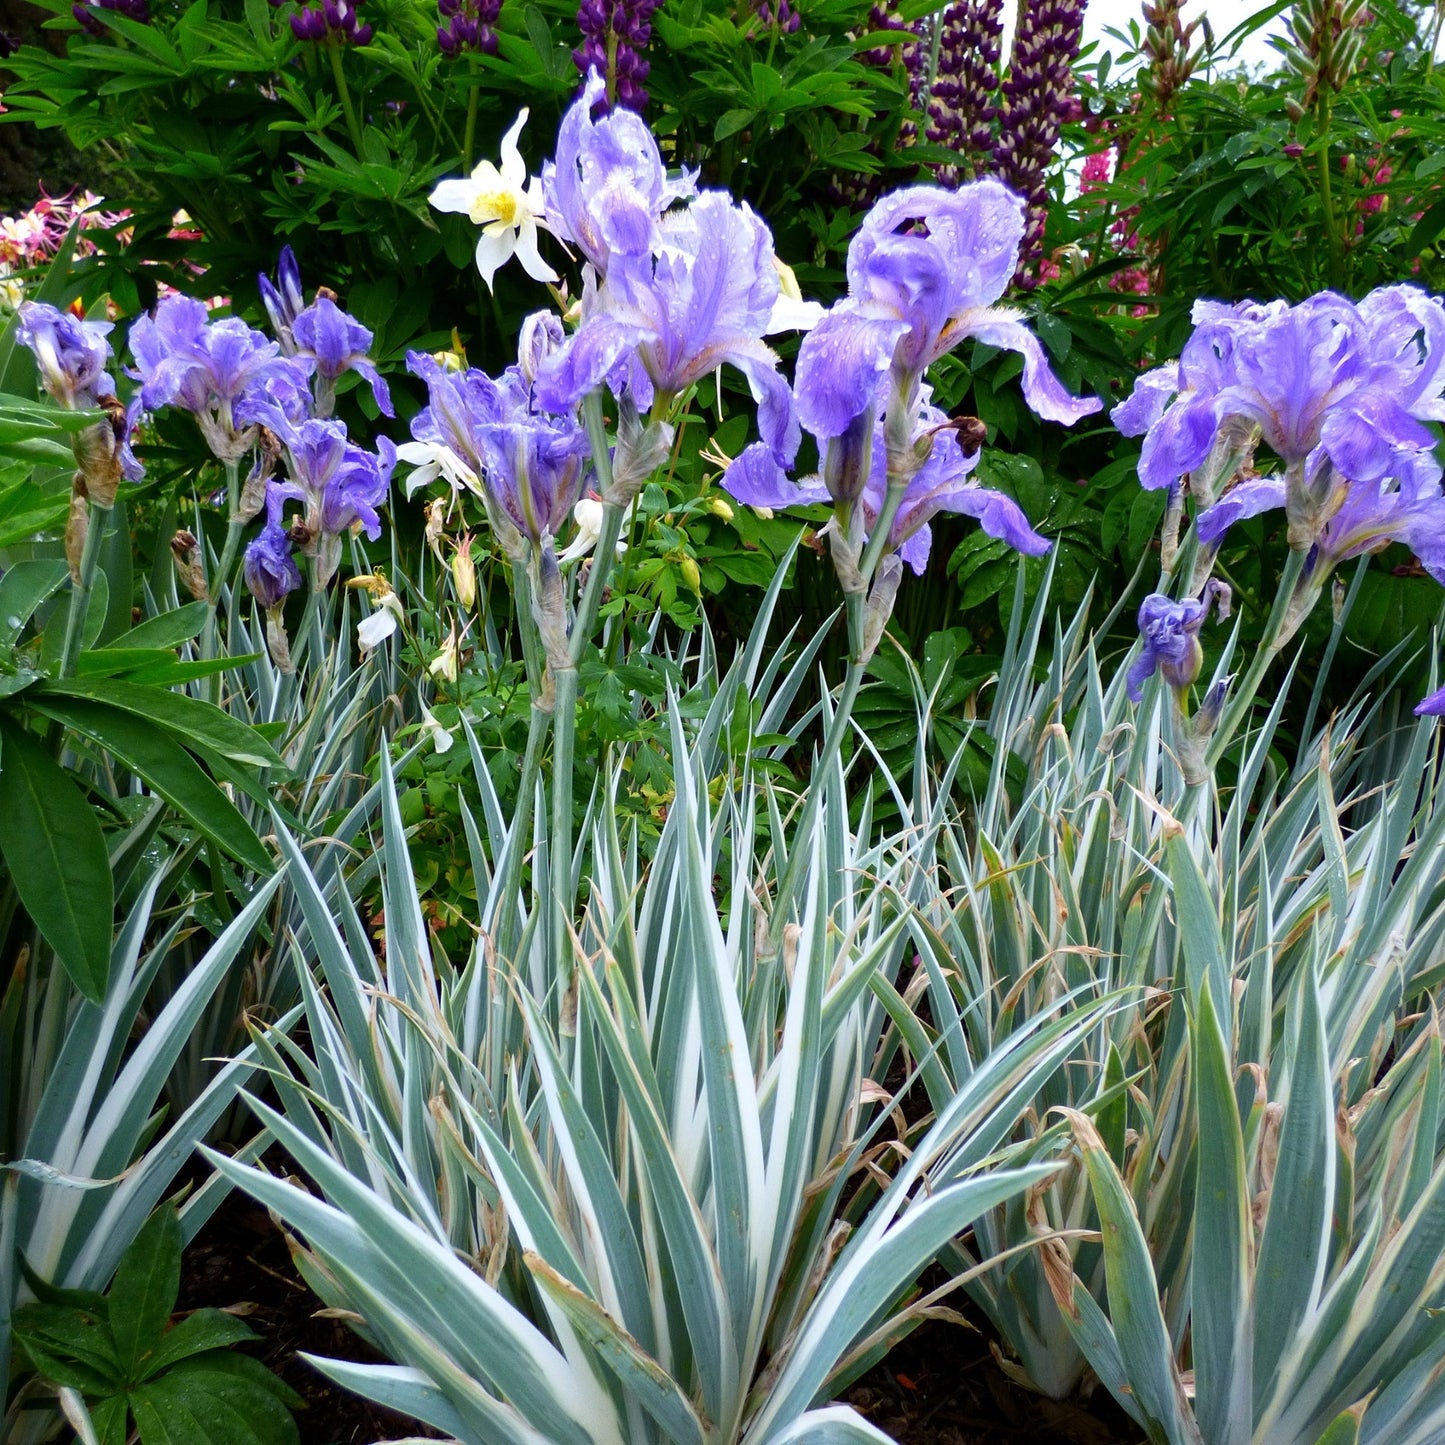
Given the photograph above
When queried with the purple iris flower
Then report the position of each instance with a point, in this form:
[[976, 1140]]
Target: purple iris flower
[[924, 273], [942, 483], [1405, 506], [71, 355], [224, 373], [1171, 638], [329, 338], [270, 568], [1355, 382], [1433, 706], [607, 189], [703, 298], [529, 465], [340, 483], [284, 300]]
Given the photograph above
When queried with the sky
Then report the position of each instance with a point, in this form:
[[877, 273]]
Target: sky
[[1224, 15]]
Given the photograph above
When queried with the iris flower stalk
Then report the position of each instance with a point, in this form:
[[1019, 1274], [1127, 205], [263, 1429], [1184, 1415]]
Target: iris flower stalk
[[71, 356]]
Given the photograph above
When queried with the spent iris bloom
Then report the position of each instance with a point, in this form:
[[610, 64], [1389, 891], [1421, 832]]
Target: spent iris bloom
[[1170, 631], [1355, 383], [607, 189], [224, 373], [705, 297], [506, 205], [925, 271], [270, 567], [71, 355], [334, 343]]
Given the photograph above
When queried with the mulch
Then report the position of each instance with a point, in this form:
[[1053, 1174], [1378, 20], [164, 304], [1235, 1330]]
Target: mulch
[[940, 1386]]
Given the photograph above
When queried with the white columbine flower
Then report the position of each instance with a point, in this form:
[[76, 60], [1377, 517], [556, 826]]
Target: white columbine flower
[[378, 625], [432, 460], [440, 737], [588, 516], [506, 205]]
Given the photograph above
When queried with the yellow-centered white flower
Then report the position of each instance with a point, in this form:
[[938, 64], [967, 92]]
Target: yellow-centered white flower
[[506, 205]]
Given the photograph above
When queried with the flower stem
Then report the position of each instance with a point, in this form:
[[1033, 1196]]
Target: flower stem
[[801, 850], [98, 518], [222, 575], [1242, 701], [606, 549], [343, 91], [564, 733], [506, 927], [469, 135]]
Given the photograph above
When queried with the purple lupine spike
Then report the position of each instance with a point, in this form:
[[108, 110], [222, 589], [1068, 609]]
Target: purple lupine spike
[[861, 191], [137, 10], [468, 24], [1037, 99], [331, 18], [614, 35], [780, 13], [961, 100]]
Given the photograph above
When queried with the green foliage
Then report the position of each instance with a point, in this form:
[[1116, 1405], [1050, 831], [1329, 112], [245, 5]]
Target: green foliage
[[120, 1354]]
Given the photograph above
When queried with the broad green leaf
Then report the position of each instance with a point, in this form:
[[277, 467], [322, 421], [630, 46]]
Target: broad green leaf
[[143, 1293], [23, 587], [154, 754], [52, 643], [69, 1346], [56, 854], [215, 1399], [190, 719], [168, 630]]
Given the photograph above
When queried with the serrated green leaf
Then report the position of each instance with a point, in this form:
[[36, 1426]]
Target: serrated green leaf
[[143, 1293]]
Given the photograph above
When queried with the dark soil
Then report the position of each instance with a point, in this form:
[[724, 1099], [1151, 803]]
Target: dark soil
[[941, 1386]]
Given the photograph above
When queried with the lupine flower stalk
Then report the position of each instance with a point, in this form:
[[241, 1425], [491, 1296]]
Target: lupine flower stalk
[[1037, 99], [1166, 45], [137, 10], [1324, 44], [331, 19], [614, 35], [468, 24], [962, 103]]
